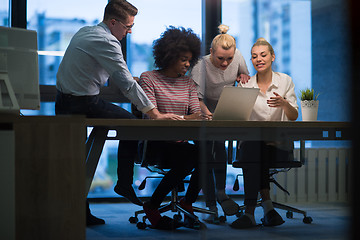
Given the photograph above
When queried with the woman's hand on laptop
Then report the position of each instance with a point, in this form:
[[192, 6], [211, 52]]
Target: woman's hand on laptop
[[243, 78]]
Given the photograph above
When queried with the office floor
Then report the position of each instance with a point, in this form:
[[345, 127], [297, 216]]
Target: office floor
[[330, 221]]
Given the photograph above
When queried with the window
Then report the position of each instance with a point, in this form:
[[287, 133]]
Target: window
[[56, 23], [285, 24], [4, 13], [153, 18]]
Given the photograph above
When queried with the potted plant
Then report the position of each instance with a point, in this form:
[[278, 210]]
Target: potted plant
[[309, 104]]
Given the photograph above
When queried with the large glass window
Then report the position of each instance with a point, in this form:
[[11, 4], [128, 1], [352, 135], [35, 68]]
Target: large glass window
[[56, 22]]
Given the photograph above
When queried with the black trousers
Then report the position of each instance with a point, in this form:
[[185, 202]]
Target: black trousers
[[182, 158], [95, 107], [256, 158], [215, 174]]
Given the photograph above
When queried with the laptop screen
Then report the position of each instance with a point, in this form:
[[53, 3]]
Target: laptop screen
[[235, 103]]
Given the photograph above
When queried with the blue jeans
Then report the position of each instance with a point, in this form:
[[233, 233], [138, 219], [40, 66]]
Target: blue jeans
[[95, 107]]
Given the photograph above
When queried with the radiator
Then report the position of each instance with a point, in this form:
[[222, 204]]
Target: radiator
[[325, 177]]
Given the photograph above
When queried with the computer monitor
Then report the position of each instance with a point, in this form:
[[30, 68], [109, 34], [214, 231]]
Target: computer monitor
[[19, 69]]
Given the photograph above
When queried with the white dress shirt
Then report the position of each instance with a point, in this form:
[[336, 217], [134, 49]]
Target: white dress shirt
[[93, 56], [281, 84], [284, 86]]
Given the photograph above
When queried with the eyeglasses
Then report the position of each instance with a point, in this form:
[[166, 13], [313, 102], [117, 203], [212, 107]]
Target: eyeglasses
[[128, 28]]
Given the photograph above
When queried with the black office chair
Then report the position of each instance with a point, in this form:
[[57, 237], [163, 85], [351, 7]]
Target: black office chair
[[281, 165], [173, 205]]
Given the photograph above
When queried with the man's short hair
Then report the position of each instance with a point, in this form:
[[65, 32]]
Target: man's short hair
[[119, 9]]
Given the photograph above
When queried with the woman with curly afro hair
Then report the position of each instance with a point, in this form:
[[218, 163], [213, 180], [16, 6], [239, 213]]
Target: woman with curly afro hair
[[173, 92], [172, 43]]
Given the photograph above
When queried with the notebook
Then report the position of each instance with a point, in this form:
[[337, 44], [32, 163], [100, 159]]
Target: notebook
[[235, 103]]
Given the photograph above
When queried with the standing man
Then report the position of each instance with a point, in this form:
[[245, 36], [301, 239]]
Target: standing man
[[93, 56]]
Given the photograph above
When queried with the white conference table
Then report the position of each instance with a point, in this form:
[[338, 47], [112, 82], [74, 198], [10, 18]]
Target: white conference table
[[141, 129]]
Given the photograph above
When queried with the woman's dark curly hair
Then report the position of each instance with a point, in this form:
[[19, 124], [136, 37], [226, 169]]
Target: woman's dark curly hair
[[172, 43]]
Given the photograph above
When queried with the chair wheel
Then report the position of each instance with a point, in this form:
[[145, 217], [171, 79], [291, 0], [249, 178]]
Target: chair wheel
[[289, 214], [307, 220], [239, 214], [196, 225], [222, 219], [133, 219], [141, 225], [177, 217], [216, 220]]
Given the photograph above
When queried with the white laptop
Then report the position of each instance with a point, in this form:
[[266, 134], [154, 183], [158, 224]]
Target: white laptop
[[235, 103]]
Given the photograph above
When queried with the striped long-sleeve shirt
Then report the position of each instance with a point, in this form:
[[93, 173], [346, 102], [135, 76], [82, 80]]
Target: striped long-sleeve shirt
[[170, 95]]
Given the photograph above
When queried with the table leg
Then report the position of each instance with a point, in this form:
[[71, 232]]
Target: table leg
[[94, 146]]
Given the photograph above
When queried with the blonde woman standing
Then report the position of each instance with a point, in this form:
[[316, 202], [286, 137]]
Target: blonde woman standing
[[224, 66]]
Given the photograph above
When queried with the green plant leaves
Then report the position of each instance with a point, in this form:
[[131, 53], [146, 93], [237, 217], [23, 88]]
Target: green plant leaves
[[308, 94]]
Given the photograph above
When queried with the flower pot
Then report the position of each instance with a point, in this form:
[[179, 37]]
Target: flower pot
[[309, 110]]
